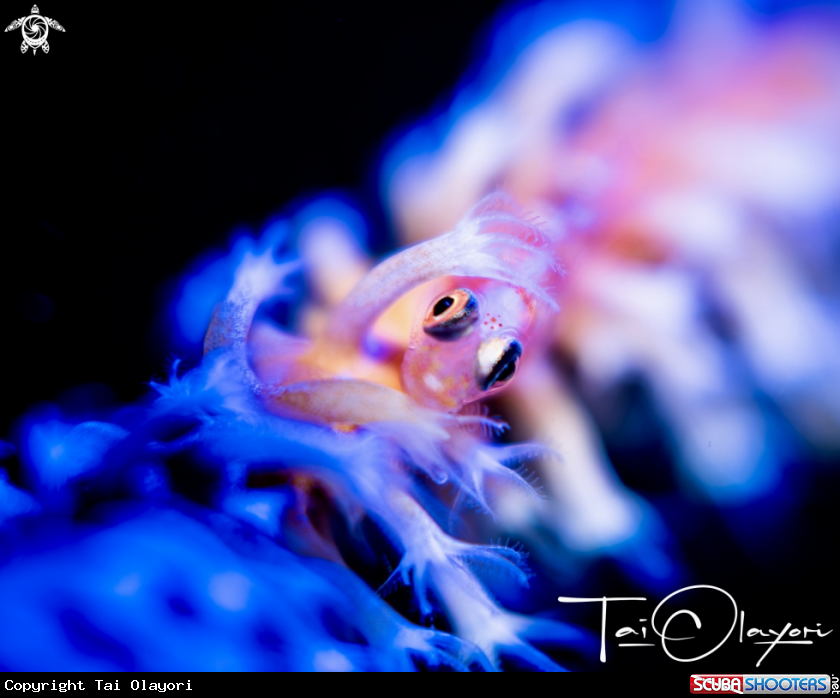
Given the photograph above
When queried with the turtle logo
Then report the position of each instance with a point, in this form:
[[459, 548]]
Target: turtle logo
[[35, 28]]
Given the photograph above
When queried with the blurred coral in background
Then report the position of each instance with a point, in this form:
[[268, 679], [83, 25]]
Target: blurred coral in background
[[681, 405], [691, 187]]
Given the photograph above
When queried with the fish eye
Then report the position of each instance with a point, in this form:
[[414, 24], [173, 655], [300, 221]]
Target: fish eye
[[451, 316], [442, 305], [496, 361]]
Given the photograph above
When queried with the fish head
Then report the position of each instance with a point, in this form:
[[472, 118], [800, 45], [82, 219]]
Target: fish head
[[467, 339]]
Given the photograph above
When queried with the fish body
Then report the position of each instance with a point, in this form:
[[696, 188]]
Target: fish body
[[485, 283]]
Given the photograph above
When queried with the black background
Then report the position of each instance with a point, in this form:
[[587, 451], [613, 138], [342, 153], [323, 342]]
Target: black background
[[144, 137]]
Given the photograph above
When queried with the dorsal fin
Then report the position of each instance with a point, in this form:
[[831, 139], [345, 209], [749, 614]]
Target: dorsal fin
[[496, 202], [499, 213]]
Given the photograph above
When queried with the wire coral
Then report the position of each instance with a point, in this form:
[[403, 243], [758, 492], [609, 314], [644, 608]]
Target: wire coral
[[281, 436]]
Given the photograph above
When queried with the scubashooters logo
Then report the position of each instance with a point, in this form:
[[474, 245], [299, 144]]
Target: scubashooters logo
[[738, 684], [35, 28]]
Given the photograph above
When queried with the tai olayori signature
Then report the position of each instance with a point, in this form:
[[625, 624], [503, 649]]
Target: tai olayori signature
[[794, 636]]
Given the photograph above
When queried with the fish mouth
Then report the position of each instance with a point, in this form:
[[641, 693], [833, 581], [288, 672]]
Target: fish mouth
[[496, 361]]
